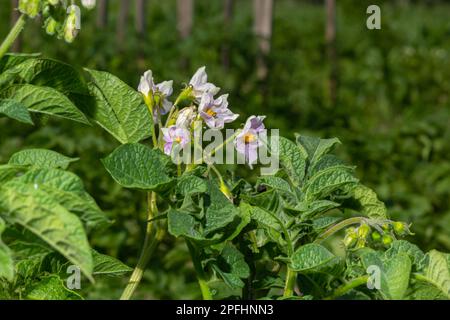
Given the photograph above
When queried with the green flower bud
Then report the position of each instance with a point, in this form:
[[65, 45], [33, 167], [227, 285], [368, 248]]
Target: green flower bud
[[376, 236], [387, 240], [30, 7], [399, 227], [51, 26], [53, 2], [70, 26], [360, 244], [350, 237], [363, 231]]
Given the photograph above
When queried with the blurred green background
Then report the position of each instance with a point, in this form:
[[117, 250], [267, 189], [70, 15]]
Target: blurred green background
[[391, 111]]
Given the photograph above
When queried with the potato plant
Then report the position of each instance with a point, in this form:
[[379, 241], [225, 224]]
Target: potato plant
[[267, 236]]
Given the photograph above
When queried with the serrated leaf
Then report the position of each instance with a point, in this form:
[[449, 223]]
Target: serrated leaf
[[41, 158], [52, 288], [38, 212], [118, 108], [44, 100], [312, 258], [6, 260], [68, 190], [316, 147], [327, 181], [106, 265], [138, 167], [15, 110]]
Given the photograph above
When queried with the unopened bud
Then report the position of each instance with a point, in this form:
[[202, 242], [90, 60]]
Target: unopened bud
[[71, 28], [30, 7], [51, 26]]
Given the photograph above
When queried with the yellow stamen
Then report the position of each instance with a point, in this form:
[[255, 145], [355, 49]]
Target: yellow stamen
[[178, 139], [248, 138], [211, 113]]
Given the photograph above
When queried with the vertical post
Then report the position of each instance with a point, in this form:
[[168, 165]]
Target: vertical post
[[141, 6], [330, 39], [185, 19], [122, 21], [263, 23], [227, 17], [15, 14], [102, 14]]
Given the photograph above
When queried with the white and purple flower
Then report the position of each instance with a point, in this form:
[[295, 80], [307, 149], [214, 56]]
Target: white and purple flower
[[175, 136], [215, 112], [200, 84], [159, 92], [248, 140]]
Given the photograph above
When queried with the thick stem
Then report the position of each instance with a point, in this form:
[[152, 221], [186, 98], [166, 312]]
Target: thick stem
[[12, 36], [201, 277], [150, 243], [347, 287], [291, 279]]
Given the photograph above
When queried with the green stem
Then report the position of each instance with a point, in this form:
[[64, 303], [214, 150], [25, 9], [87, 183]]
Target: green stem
[[347, 287], [12, 36], [201, 277], [341, 225], [291, 279], [150, 243]]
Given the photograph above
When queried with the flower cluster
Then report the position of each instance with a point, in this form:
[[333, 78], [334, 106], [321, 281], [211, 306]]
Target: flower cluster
[[61, 18], [200, 104]]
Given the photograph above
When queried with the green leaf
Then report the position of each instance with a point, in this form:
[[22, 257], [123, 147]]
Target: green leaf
[[292, 160], [269, 222], [314, 147], [183, 224], [395, 277], [312, 258], [41, 158], [276, 183], [68, 190], [370, 205], [41, 214], [402, 246], [138, 167], [327, 181], [44, 100], [220, 211], [119, 109], [436, 274], [15, 110], [189, 185], [6, 260], [52, 288], [11, 60], [232, 267], [50, 73], [106, 265], [8, 172]]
